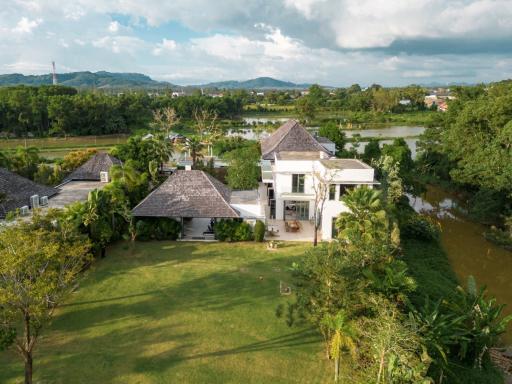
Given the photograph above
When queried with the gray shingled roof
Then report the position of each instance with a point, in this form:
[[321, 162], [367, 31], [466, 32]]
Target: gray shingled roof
[[100, 162], [17, 191], [291, 136], [188, 194]]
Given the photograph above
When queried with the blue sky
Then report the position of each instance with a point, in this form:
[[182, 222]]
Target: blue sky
[[332, 42]]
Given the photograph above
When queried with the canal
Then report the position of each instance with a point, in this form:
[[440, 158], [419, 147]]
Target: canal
[[468, 251]]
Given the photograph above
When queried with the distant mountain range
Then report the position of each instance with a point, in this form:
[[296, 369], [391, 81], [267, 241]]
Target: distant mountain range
[[258, 83], [87, 79], [106, 80]]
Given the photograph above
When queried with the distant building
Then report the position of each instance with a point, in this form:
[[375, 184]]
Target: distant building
[[440, 102]]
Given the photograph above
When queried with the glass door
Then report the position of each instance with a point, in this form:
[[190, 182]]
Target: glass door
[[302, 210]]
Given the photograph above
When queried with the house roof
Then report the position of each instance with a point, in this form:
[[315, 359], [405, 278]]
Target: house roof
[[291, 136], [323, 140], [344, 164], [17, 191], [188, 194], [100, 162]]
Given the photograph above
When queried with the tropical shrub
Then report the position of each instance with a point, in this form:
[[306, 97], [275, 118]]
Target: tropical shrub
[[420, 227], [259, 231], [157, 229], [232, 230], [243, 232]]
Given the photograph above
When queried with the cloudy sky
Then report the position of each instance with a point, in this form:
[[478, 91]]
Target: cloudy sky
[[332, 42]]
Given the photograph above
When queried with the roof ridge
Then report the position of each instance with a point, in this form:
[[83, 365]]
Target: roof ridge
[[289, 129], [216, 190]]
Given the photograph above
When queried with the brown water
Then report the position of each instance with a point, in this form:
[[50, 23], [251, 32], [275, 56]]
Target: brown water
[[468, 251]]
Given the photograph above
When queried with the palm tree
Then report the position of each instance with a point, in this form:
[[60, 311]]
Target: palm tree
[[162, 149], [365, 227], [342, 339], [194, 146]]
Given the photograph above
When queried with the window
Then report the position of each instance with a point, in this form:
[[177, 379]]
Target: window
[[298, 183], [332, 191]]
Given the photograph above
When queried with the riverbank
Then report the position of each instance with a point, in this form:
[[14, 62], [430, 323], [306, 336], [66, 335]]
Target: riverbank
[[466, 249], [429, 265]]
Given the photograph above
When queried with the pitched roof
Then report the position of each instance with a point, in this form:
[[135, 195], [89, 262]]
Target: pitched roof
[[188, 194], [291, 136], [17, 191], [100, 162]]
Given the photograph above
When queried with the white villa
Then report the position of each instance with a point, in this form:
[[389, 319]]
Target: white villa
[[299, 171], [299, 174]]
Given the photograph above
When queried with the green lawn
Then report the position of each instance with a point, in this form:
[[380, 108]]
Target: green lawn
[[168, 312]]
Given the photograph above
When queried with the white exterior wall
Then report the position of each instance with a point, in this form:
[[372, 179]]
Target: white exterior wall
[[282, 176], [283, 171]]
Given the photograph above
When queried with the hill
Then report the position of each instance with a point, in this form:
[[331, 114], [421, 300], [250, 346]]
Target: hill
[[258, 83], [87, 79]]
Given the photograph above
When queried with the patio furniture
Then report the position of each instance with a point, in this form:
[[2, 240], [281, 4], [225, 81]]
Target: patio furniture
[[293, 226]]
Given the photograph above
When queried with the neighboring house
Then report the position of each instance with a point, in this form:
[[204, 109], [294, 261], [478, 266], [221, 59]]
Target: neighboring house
[[17, 192], [193, 197], [93, 174], [95, 169], [299, 174], [327, 144]]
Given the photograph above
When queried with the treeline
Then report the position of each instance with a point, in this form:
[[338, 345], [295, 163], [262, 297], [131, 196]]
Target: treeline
[[58, 110], [470, 150]]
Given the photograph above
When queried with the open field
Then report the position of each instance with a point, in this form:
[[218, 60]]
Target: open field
[[64, 142], [178, 312]]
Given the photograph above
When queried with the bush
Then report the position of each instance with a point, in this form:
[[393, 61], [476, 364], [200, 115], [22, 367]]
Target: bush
[[259, 231], [499, 237], [232, 230], [157, 229], [419, 227], [243, 232]]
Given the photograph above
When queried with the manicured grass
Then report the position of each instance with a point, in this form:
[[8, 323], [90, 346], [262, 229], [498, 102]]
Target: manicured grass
[[178, 312]]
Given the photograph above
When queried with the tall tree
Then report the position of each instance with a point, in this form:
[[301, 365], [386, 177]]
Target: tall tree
[[343, 338], [38, 268]]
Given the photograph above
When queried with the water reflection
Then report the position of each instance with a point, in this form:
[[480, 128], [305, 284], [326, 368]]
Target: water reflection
[[394, 131], [468, 251]]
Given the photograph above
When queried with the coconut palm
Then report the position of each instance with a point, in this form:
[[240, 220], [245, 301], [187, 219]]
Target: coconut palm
[[163, 149], [342, 339], [195, 147]]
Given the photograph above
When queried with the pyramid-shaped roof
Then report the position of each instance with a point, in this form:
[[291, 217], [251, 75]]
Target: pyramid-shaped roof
[[100, 162], [291, 136], [15, 191], [191, 193]]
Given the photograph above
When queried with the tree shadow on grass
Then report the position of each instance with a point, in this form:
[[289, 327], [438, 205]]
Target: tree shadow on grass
[[148, 328], [290, 340]]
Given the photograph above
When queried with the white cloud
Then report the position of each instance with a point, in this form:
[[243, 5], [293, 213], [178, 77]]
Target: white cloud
[[26, 26], [120, 44], [297, 40], [166, 45], [113, 26]]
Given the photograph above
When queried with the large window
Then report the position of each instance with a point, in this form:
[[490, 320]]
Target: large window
[[332, 191], [298, 183]]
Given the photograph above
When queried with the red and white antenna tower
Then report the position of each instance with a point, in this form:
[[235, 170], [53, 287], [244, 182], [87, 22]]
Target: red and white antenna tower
[[54, 77]]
